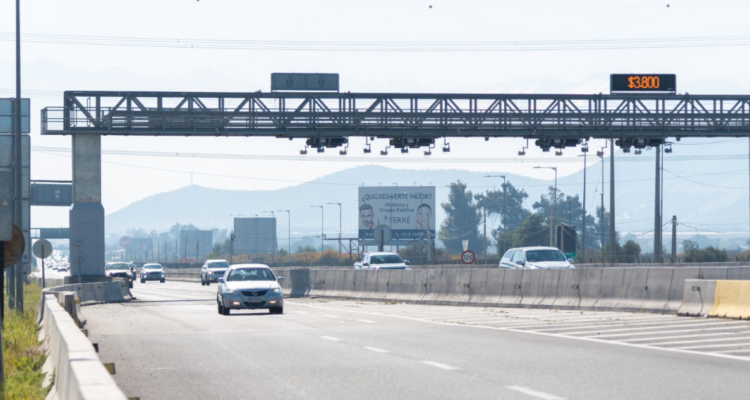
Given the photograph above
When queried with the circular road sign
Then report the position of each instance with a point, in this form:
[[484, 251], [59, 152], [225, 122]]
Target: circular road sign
[[183, 260], [468, 257], [125, 242], [382, 234], [14, 247], [42, 248]]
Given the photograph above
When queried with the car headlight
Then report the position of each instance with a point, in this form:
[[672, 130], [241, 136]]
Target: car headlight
[[276, 290], [231, 291]]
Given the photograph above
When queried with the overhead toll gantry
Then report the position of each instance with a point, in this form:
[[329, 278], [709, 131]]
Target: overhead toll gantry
[[327, 120]]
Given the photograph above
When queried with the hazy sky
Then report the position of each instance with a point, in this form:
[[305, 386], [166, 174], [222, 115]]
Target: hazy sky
[[57, 61]]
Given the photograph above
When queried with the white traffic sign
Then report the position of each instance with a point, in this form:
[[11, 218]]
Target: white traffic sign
[[42, 248]]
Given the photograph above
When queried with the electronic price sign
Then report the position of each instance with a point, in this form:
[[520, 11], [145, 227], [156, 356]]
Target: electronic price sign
[[632, 83]]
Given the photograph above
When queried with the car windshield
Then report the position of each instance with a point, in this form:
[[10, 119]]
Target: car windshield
[[250, 274], [156, 266], [544, 255], [117, 266], [386, 259], [221, 264]]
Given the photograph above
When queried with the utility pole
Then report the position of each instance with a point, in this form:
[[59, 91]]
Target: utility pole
[[583, 217], [322, 225], [289, 234], [612, 238], [339, 204], [553, 215], [674, 239], [484, 238], [18, 164], [657, 209]]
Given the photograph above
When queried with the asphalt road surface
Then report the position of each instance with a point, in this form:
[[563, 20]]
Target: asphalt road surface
[[171, 343]]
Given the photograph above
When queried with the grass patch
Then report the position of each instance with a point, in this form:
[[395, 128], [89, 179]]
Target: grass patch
[[23, 353]]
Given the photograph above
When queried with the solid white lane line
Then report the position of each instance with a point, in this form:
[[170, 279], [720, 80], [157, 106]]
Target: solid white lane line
[[439, 365], [732, 351], [330, 338], [377, 350], [535, 393], [367, 321]]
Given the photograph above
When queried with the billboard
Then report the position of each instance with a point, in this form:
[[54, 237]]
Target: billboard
[[254, 235], [408, 210]]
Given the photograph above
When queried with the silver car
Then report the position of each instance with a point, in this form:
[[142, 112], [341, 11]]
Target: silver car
[[152, 272], [535, 258], [250, 287], [213, 270]]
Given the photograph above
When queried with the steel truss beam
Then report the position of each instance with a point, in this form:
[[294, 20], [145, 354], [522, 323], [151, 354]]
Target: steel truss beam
[[399, 115]]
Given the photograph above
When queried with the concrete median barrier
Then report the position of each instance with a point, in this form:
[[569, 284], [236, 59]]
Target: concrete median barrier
[[569, 289], [590, 280], [394, 284], [697, 298], [406, 285], [732, 300], [493, 287], [461, 288], [439, 285], [677, 286], [549, 282], [658, 284], [510, 295], [530, 282], [79, 374], [478, 283]]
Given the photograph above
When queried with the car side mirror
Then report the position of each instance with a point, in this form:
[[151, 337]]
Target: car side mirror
[[571, 260], [521, 262], [280, 279], [366, 264], [220, 280], [406, 262]]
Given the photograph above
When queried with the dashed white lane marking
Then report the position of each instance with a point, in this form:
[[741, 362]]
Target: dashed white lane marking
[[330, 338], [535, 393], [367, 321], [440, 365], [694, 335], [331, 316], [377, 350]]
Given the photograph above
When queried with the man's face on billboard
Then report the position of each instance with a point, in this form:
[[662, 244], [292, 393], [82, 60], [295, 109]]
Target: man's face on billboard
[[366, 216]]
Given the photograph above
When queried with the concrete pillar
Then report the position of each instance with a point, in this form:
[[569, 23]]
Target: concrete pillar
[[87, 212]]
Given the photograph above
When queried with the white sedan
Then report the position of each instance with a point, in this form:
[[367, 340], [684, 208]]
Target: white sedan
[[250, 287]]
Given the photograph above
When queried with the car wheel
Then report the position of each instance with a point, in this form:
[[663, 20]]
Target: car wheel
[[130, 285], [162, 281], [225, 311], [279, 310], [143, 281], [203, 283], [208, 282], [221, 309]]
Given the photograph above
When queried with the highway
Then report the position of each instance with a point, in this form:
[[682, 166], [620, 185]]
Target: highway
[[171, 343]]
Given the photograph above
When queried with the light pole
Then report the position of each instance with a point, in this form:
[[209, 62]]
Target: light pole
[[322, 224], [338, 204], [504, 217], [289, 238], [552, 232], [600, 154], [273, 245]]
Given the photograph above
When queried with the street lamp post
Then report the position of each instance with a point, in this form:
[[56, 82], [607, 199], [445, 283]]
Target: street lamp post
[[289, 234], [273, 245], [504, 217], [339, 204], [322, 224], [552, 230]]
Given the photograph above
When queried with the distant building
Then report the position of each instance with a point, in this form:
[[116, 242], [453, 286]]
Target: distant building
[[255, 235], [195, 243]]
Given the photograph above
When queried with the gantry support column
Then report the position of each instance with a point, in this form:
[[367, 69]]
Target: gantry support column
[[87, 212]]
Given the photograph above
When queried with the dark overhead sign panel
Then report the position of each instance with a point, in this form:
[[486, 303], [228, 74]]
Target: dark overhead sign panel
[[304, 82], [46, 194], [643, 83]]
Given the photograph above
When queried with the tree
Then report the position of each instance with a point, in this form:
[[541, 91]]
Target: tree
[[461, 221], [533, 231], [693, 253], [631, 252], [508, 204]]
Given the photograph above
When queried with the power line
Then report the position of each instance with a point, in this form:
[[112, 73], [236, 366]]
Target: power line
[[375, 46]]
